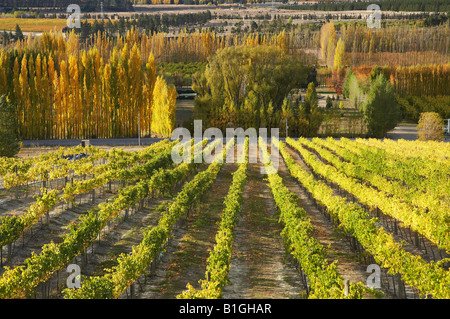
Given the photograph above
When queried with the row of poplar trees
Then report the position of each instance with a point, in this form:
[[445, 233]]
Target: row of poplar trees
[[65, 89]]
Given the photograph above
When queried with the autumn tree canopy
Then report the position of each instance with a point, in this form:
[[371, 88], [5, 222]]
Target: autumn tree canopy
[[254, 79], [102, 91]]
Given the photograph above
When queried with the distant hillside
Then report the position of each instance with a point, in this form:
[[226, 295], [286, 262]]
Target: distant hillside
[[85, 5]]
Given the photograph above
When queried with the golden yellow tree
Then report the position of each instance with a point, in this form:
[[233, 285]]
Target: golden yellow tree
[[97, 108], [63, 111], [46, 97], [283, 41], [339, 56], [135, 89], [39, 104], [24, 107], [123, 98], [74, 111], [150, 79], [17, 93], [107, 101], [331, 48], [3, 66], [326, 32], [87, 95], [163, 108]]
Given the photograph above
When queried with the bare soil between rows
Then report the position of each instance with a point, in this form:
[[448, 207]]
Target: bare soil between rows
[[184, 260], [259, 268]]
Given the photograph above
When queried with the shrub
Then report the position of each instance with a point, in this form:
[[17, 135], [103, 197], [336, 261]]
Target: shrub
[[430, 127]]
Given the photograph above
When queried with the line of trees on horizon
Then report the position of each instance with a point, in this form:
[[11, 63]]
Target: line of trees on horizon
[[85, 5], [385, 5]]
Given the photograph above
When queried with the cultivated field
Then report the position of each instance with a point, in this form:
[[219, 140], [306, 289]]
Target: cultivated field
[[140, 226], [32, 25]]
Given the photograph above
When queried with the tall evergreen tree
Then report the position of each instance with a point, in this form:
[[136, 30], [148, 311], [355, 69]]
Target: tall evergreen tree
[[311, 100], [19, 34], [381, 110]]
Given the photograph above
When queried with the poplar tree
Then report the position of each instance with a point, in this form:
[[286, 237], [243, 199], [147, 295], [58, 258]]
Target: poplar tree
[[339, 55], [326, 32], [163, 108], [150, 79], [136, 85], [9, 142], [331, 48], [311, 99], [24, 96]]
